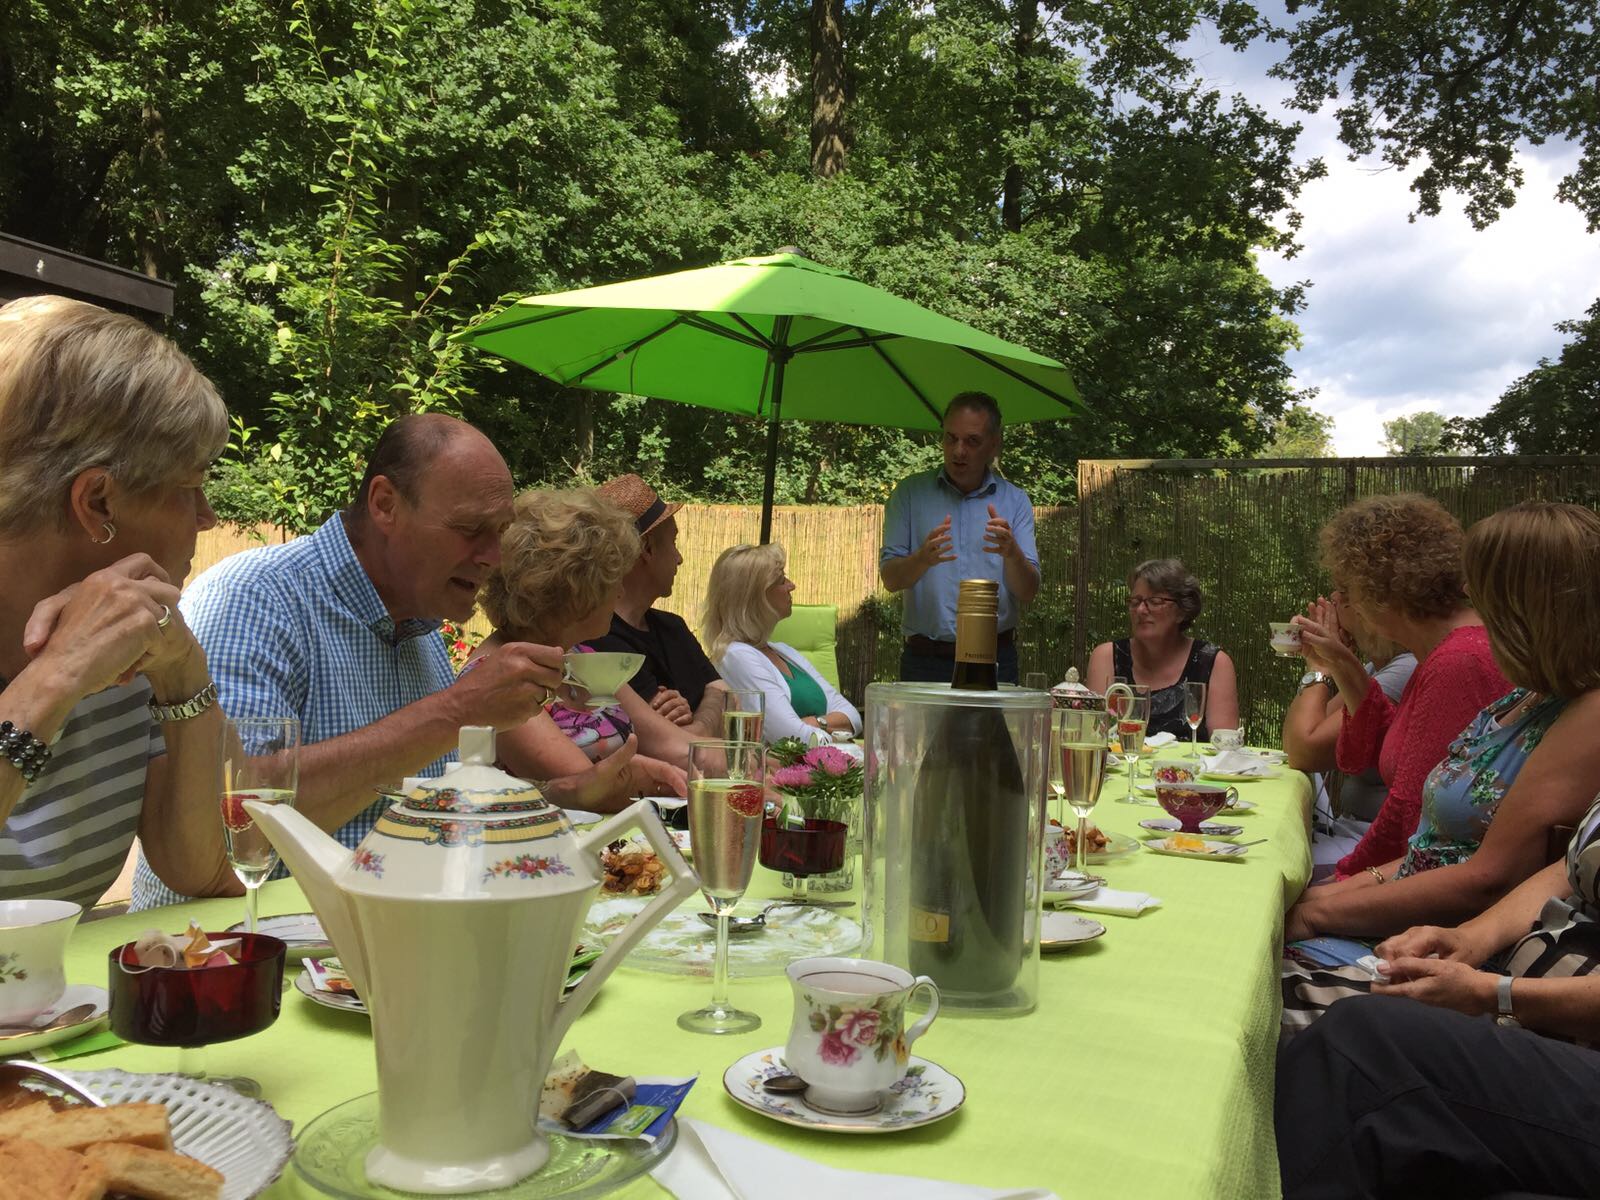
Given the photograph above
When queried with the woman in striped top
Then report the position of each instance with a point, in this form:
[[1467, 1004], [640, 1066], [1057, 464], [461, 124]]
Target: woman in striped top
[[108, 720]]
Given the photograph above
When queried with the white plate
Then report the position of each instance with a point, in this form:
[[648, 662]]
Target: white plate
[[301, 934], [1218, 850], [927, 1093], [339, 1000], [1209, 828], [1059, 930], [1068, 886], [244, 1139], [76, 994]]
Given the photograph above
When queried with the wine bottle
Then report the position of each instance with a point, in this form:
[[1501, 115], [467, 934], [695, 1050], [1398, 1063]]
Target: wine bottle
[[970, 827]]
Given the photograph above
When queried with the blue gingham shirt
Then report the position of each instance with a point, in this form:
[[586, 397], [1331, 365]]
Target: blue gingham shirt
[[916, 507], [299, 630]]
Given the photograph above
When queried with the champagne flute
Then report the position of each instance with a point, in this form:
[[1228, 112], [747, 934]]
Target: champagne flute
[[726, 799], [1081, 736], [1036, 681], [1058, 788], [742, 715], [1194, 712], [1131, 724], [260, 762]]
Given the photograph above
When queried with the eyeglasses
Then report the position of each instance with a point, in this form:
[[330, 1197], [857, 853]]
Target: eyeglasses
[[1152, 603]]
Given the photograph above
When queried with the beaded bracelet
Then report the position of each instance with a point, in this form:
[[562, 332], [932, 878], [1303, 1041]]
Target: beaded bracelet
[[24, 751]]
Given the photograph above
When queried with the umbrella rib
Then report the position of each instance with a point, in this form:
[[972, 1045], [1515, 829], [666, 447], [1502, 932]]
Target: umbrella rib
[[904, 378], [625, 351], [1017, 375], [705, 326], [533, 319], [866, 339], [754, 332], [811, 342]]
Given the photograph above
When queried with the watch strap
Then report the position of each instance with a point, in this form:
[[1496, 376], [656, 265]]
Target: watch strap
[[1502, 991], [186, 710]]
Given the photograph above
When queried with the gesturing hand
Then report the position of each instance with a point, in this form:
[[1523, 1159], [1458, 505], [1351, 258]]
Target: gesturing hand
[[997, 535], [936, 547]]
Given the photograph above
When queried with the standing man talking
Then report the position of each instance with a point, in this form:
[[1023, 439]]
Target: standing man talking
[[961, 521]]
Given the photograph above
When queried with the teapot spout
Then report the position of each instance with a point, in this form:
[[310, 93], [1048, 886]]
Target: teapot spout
[[316, 862]]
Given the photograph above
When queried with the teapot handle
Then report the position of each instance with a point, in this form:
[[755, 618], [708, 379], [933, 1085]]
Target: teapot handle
[[684, 882]]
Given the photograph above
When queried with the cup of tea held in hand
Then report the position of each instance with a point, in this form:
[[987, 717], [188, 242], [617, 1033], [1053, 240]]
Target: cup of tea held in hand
[[1192, 803], [849, 1040], [1285, 639], [600, 673], [33, 939]]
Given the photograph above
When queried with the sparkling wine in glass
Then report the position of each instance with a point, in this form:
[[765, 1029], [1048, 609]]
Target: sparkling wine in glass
[[1132, 722], [742, 714], [726, 799], [260, 762], [1194, 712], [1081, 736]]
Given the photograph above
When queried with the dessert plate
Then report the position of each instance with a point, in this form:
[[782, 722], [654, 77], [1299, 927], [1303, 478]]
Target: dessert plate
[[1063, 930], [1212, 850], [301, 934], [926, 1094], [75, 995]]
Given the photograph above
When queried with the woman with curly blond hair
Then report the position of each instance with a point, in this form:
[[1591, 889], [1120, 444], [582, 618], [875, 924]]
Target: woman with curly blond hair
[[748, 594], [562, 561], [1397, 560]]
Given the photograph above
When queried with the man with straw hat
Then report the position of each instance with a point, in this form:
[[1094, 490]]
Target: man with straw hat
[[677, 679]]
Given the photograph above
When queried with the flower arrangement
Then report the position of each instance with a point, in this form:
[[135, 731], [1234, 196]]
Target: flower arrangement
[[459, 641], [823, 779]]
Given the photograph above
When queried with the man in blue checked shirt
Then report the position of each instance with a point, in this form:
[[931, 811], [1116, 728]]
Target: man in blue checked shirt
[[341, 629], [961, 521]]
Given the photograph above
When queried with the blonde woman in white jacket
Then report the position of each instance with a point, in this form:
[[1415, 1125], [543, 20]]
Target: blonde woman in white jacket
[[748, 595]]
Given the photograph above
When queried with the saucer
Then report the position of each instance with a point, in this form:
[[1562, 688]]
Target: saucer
[[301, 934], [1209, 828], [1212, 850], [339, 1000], [1062, 930], [76, 994], [928, 1093], [1068, 886]]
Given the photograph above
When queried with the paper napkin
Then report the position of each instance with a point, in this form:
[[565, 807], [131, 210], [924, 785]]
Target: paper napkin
[[1110, 900], [1157, 740], [710, 1163], [1238, 762]]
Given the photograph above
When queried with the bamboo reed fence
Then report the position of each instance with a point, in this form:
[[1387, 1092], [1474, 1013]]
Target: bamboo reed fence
[[1246, 527]]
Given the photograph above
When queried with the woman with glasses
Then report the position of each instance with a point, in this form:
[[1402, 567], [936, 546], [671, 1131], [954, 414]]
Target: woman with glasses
[[1163, 601]]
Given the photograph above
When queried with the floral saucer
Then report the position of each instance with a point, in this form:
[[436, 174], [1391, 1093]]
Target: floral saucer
[[928, 1093], [75, 995], [1059, 930]]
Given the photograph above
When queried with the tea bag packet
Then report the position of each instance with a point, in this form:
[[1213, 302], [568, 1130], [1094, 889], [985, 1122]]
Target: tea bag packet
[[576, 1095], [191, 949], [328, 975]]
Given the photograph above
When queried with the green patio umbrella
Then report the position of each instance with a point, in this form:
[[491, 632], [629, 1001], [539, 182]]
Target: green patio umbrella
[[779, 337]]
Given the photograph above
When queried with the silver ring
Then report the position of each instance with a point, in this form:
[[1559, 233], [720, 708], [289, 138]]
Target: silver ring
[[165, 618]]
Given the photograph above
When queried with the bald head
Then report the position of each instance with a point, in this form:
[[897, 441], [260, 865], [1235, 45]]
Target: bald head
[[408, 448]]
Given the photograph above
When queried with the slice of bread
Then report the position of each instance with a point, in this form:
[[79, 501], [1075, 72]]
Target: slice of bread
[[76, 1128], [32, 1171], [155, 1174], [24, 1119]]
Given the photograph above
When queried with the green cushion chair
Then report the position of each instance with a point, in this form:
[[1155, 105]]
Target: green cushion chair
[[813, 629]]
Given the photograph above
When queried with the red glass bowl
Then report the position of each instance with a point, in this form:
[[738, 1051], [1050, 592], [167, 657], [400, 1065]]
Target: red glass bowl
[[814, 848], [173, 1006]]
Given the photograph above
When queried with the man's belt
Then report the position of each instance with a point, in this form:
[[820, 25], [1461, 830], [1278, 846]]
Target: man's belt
[[934, 648]]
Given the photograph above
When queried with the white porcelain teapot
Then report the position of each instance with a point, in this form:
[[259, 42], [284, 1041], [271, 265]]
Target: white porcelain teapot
[[456, 918]]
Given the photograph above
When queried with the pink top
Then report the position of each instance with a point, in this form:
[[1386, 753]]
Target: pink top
[[1407, 740]]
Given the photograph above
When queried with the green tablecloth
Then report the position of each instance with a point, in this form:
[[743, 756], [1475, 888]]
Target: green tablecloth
[[1146, 1070]]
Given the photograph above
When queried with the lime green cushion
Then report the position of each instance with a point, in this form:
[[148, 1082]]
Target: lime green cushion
[[812, 629]]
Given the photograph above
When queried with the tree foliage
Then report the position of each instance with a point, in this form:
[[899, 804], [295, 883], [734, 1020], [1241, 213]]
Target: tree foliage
[[338, 185], [1303, 432], [1418, 434], [1553, 409]]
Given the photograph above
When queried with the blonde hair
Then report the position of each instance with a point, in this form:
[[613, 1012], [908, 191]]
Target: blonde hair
[[82, 387], [563, 556], [1532, 570], [736, 597], [1401, 552]]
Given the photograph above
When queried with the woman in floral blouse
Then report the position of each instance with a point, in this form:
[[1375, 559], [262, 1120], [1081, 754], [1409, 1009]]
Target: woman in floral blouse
[[1529, 762]]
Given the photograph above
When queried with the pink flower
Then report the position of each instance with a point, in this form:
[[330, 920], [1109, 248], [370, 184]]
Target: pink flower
[[835, 1051], [859, 1028], [829, 759], [797, 776]]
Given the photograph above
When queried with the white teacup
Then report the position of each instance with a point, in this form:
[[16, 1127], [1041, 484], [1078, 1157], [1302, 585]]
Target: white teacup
[[849, 1041], [33, 939], [1285, 638], [600, 674], [1227, 739]]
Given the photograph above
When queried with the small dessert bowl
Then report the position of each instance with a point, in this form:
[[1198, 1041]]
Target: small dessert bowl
[[1192, 803]]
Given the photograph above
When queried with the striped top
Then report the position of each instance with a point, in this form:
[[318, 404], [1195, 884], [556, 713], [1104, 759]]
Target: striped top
[[299, 630], [69, 834]]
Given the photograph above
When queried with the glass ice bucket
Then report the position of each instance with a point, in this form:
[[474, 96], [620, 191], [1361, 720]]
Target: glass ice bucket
[[953, 836]]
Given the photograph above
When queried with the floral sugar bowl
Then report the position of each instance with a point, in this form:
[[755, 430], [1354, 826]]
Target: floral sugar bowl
[[471, 876]]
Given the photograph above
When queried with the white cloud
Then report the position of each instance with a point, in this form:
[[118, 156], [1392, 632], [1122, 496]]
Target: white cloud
[[1407, 316]]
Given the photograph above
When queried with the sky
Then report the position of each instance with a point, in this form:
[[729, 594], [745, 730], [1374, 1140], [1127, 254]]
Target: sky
[[1405, 317]]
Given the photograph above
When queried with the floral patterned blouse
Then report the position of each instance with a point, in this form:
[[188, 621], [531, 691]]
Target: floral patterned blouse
[[1463, 792]]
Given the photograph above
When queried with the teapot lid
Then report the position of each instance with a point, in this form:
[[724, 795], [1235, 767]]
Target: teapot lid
[[476, 786]]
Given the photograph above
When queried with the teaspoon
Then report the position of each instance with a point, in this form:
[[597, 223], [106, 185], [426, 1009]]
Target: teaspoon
[[71, 1017]]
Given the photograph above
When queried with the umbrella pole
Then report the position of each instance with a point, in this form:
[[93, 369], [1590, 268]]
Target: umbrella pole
[[780, 359]]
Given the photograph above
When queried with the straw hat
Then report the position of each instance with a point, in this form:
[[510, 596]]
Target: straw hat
[[639, 500]]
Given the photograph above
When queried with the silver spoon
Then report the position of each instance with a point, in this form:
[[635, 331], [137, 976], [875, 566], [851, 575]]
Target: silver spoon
[[16, 1068], [759, 921], [71, 1017], [785, 1085]]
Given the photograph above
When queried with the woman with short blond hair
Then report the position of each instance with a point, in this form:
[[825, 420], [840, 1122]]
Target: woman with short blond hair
[[748, 594], [108, 720], [562, 561]]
